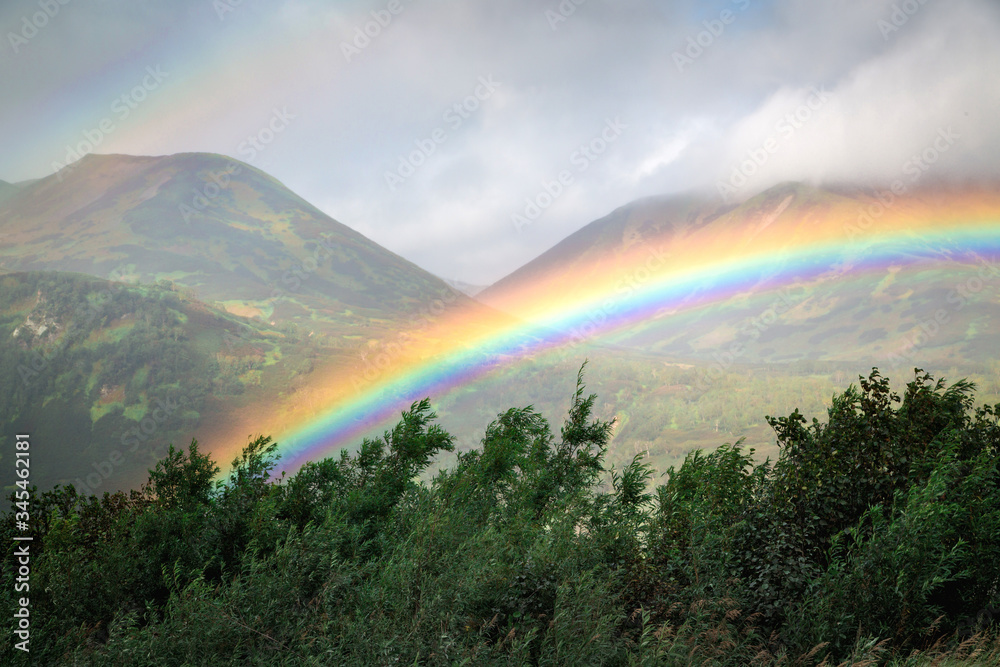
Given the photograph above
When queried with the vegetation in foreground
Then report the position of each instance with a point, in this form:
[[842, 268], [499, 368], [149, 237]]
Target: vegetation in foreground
[[874, 538]]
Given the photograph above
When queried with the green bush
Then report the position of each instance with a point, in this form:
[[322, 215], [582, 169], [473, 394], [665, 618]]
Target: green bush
[[874, 535]]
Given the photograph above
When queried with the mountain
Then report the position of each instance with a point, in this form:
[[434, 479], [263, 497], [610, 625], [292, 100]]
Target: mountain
[[698, 318], [104, 375], [694, 312], [7, 190], [130, 283], [228, 231], [797, 272], [466, 288]]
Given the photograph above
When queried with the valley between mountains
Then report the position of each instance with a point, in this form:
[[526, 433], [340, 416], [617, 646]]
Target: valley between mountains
[[152, 300]]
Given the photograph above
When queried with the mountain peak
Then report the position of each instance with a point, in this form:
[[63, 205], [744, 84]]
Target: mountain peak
[[108, 162], [227, 230]]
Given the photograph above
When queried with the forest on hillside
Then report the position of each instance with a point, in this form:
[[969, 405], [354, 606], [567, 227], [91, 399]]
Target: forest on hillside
[[126, 367], [872, 538]]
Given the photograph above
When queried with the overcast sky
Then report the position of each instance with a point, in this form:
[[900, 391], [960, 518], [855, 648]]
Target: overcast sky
[[665, 95]]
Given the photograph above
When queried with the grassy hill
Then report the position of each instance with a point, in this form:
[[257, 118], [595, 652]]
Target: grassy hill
[[666, 377], [671, 378], [929, 293], [104, 375], [228, 231]]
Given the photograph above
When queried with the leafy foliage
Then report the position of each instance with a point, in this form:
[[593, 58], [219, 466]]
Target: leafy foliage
[[874, 535]]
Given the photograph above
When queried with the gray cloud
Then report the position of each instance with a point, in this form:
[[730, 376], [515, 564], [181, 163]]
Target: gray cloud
[[888, 92]]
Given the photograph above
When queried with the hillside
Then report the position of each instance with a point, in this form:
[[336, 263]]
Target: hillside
[[104, 375], [685, 351], [7, 190], [700, 318], [230, 232], [308, 291], [794, 273]]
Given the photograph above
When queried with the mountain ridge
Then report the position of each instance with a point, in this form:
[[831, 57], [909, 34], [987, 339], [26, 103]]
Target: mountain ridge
[[127, 369], [227, 230], [857, 313], [7, 190]]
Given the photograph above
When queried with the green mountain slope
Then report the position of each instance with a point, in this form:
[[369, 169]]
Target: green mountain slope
[[943, 307], [104, 375], [223, 228]]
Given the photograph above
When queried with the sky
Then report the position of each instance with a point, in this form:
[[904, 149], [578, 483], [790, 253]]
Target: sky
[[471, 136]]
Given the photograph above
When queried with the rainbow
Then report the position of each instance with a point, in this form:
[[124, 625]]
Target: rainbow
[[458, 353]]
